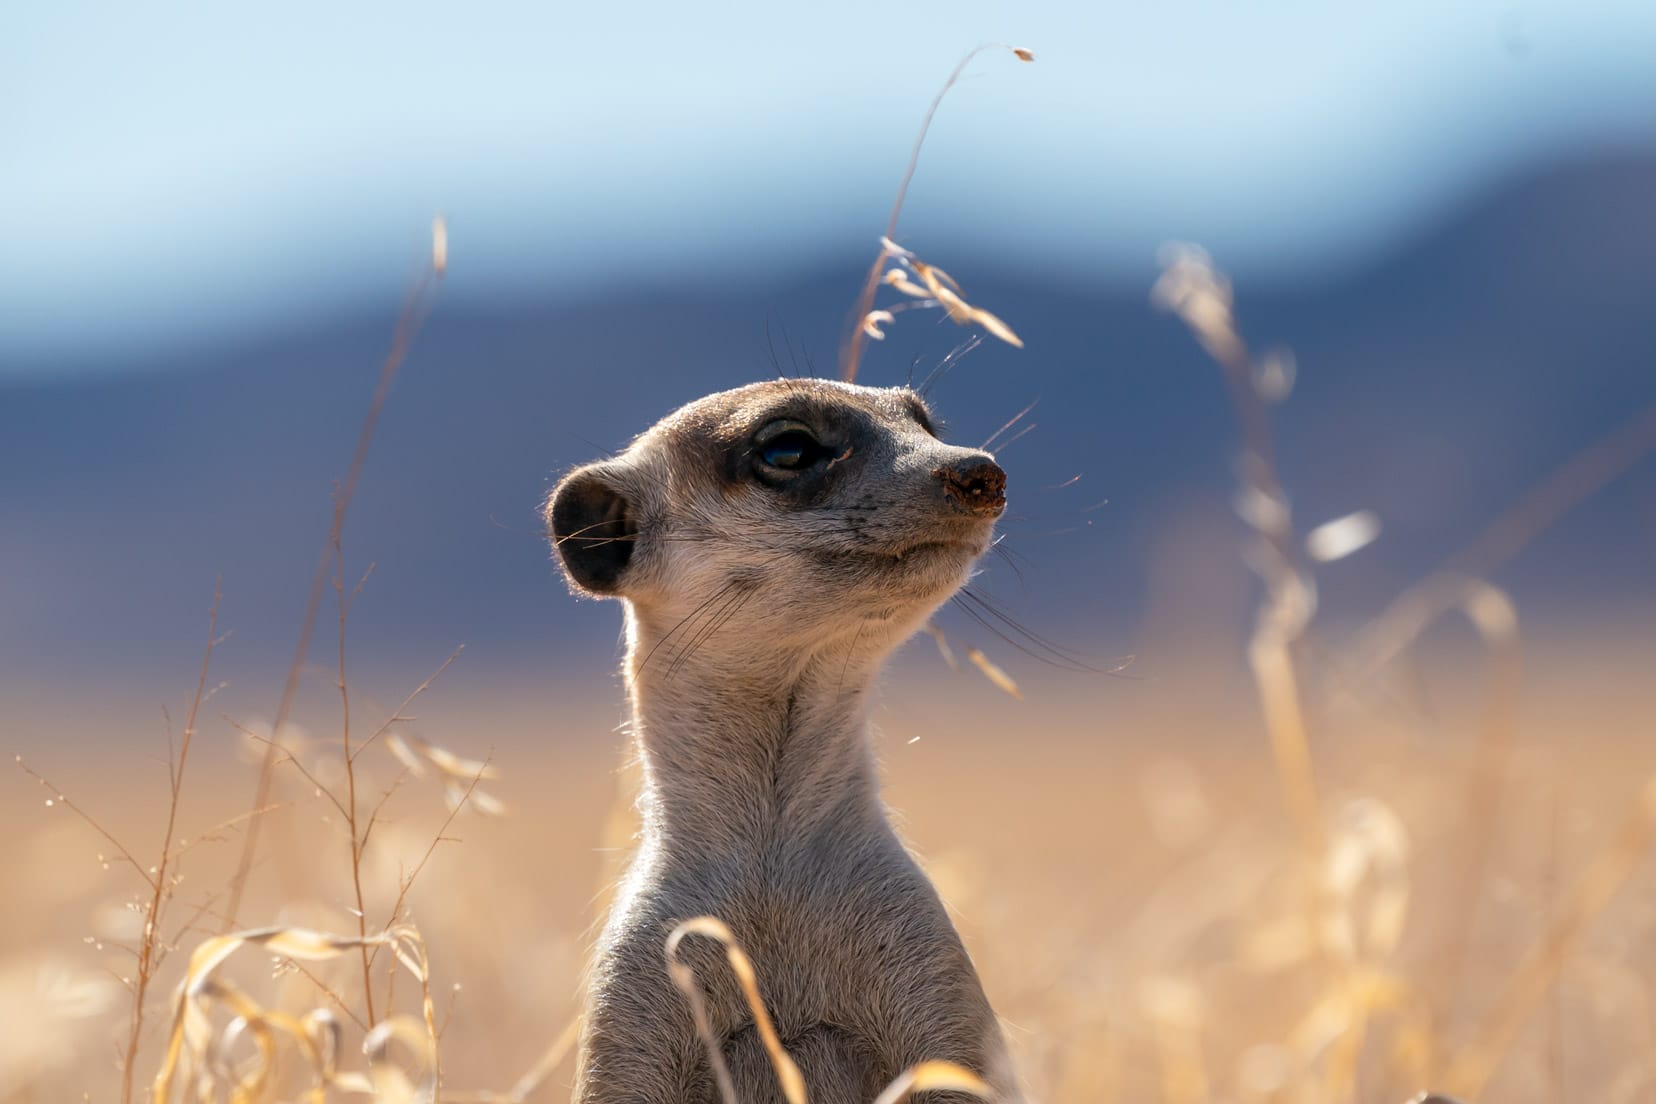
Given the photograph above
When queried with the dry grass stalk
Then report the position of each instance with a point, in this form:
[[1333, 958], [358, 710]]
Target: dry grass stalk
[[416, 306], [391, 1084], [466, 797], [1337, 539], [525, 1086], [934, 1077], [1373, 850], [60, 800], [148, 957], [923, 1077], [458, 774], [1557, 1082], [993, 673], [357, 841], [202, 1056], [1335, 1029], [159, 879], [935, 289], [787, 1073], [460, 778], [1495, 616], [1174, 1008], [851, 355], [1193, 289], [926, 286], [439, 245], [986, 666], [941, 639], [1367, 883], [1201, 296], [1459, 583], [1575, 481], [1603, 879]]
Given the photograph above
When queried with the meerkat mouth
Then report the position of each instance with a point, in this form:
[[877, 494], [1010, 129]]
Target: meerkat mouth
[[951, 546], [970, 547], [916, 555]]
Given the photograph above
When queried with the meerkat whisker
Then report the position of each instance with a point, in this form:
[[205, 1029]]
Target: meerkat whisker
[[989, 606], [1010, 422], [770, 351], [1069, 660], [1010, 558], [947, 364], [721, 592], [713, 622], [850, 654], [1025, 431], [1001, 634], [1018, 636]]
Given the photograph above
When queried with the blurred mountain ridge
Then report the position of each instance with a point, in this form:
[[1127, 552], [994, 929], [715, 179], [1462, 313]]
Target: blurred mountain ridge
[[1433, 387]]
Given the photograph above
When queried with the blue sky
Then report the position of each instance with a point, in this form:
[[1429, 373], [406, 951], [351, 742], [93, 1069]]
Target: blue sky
[[182, 172]]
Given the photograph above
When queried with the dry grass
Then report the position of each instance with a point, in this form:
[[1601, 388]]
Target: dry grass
[[1132, 903], [935, 289], [1319, 905]]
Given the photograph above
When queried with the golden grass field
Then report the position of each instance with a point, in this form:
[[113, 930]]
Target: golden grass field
[[1117, 857]]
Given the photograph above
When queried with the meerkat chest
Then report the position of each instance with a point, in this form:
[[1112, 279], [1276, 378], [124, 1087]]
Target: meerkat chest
[[833, 894]]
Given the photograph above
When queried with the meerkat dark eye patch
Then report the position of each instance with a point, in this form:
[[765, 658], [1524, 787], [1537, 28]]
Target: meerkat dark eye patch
[[593, 530], [923, 417]]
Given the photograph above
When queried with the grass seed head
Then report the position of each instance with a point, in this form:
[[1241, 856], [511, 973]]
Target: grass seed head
[[439, 245], [872, 322], [993, 673]]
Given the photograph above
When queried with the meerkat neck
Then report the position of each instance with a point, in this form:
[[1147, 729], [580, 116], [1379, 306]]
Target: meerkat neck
[[751, 756]]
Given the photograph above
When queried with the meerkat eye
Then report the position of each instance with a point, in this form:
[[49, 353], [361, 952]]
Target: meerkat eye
[[793, 449]]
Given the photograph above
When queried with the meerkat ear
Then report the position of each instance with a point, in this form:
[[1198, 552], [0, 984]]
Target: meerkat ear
[[590, 520]]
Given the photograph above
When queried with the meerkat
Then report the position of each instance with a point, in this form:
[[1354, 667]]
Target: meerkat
[[771, 545]]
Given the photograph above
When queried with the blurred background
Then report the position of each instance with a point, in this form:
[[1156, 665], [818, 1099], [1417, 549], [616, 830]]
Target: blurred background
[[1446, 212]]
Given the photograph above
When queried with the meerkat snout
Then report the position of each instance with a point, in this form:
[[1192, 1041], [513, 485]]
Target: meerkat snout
[[977, 486]]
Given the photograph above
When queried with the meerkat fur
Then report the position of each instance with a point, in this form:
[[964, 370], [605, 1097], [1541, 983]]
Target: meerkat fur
[[771, 545]]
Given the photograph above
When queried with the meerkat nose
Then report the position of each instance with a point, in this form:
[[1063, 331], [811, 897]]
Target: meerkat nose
[[976, 484]]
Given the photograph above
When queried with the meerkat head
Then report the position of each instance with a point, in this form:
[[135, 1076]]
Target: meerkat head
[[781, 515]]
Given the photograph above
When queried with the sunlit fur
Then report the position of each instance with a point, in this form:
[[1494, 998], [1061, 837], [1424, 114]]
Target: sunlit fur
[[757, 617]]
